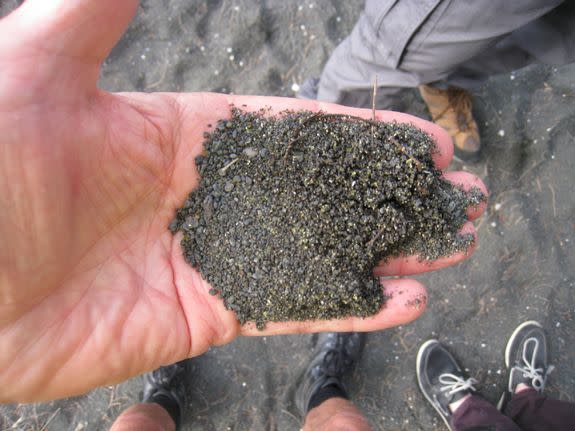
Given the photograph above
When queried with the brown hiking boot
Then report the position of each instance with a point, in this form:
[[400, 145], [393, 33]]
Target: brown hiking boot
[[451, 109]]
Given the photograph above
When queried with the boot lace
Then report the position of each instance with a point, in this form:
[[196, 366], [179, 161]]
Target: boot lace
[[453, 384], [538, 375], [336, 359]]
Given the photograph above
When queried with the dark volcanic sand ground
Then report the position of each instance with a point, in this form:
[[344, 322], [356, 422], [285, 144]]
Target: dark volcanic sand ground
[[523, 267]]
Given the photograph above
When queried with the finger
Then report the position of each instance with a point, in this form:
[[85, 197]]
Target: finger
[[86, 29], [406, 301], [441, 157], [411, 265], [467, 181]]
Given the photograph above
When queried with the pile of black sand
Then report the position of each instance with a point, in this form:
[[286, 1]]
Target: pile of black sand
[[294, 211]]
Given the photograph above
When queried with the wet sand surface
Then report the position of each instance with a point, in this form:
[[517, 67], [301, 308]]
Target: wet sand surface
[[523, 268]]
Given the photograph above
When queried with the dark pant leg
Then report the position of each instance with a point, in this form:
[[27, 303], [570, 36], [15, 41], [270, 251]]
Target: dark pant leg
[[535, 412], [476, 414]]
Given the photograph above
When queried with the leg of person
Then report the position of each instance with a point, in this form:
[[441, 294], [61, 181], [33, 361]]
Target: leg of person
[[162, 404], [549, 39], [410, 43], [336, 414], [321, 397], [144, 417], [477, 414], [533, 411], [527, 367], [452, 394]]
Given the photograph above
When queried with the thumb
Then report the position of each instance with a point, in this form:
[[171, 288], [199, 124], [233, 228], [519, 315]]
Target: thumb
[[83, 29]]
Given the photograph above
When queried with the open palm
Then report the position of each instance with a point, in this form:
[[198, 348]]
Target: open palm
[[93, 287]]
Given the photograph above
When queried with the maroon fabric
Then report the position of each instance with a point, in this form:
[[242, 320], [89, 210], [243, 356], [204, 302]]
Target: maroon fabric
[[476, 414], [527, 411], [535, 412]]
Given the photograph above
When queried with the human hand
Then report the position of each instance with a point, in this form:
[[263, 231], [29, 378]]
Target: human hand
[[93, 286]]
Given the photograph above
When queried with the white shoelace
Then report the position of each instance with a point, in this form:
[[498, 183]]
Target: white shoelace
[[538, 376], [453, 384]]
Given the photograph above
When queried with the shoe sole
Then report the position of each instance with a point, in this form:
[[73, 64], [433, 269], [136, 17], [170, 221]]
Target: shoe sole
[[418, 363], [512, 339], [508, 354]]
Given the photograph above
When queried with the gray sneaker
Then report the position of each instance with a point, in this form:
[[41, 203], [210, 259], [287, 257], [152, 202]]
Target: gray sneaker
[[526, 360], [441, 379]]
